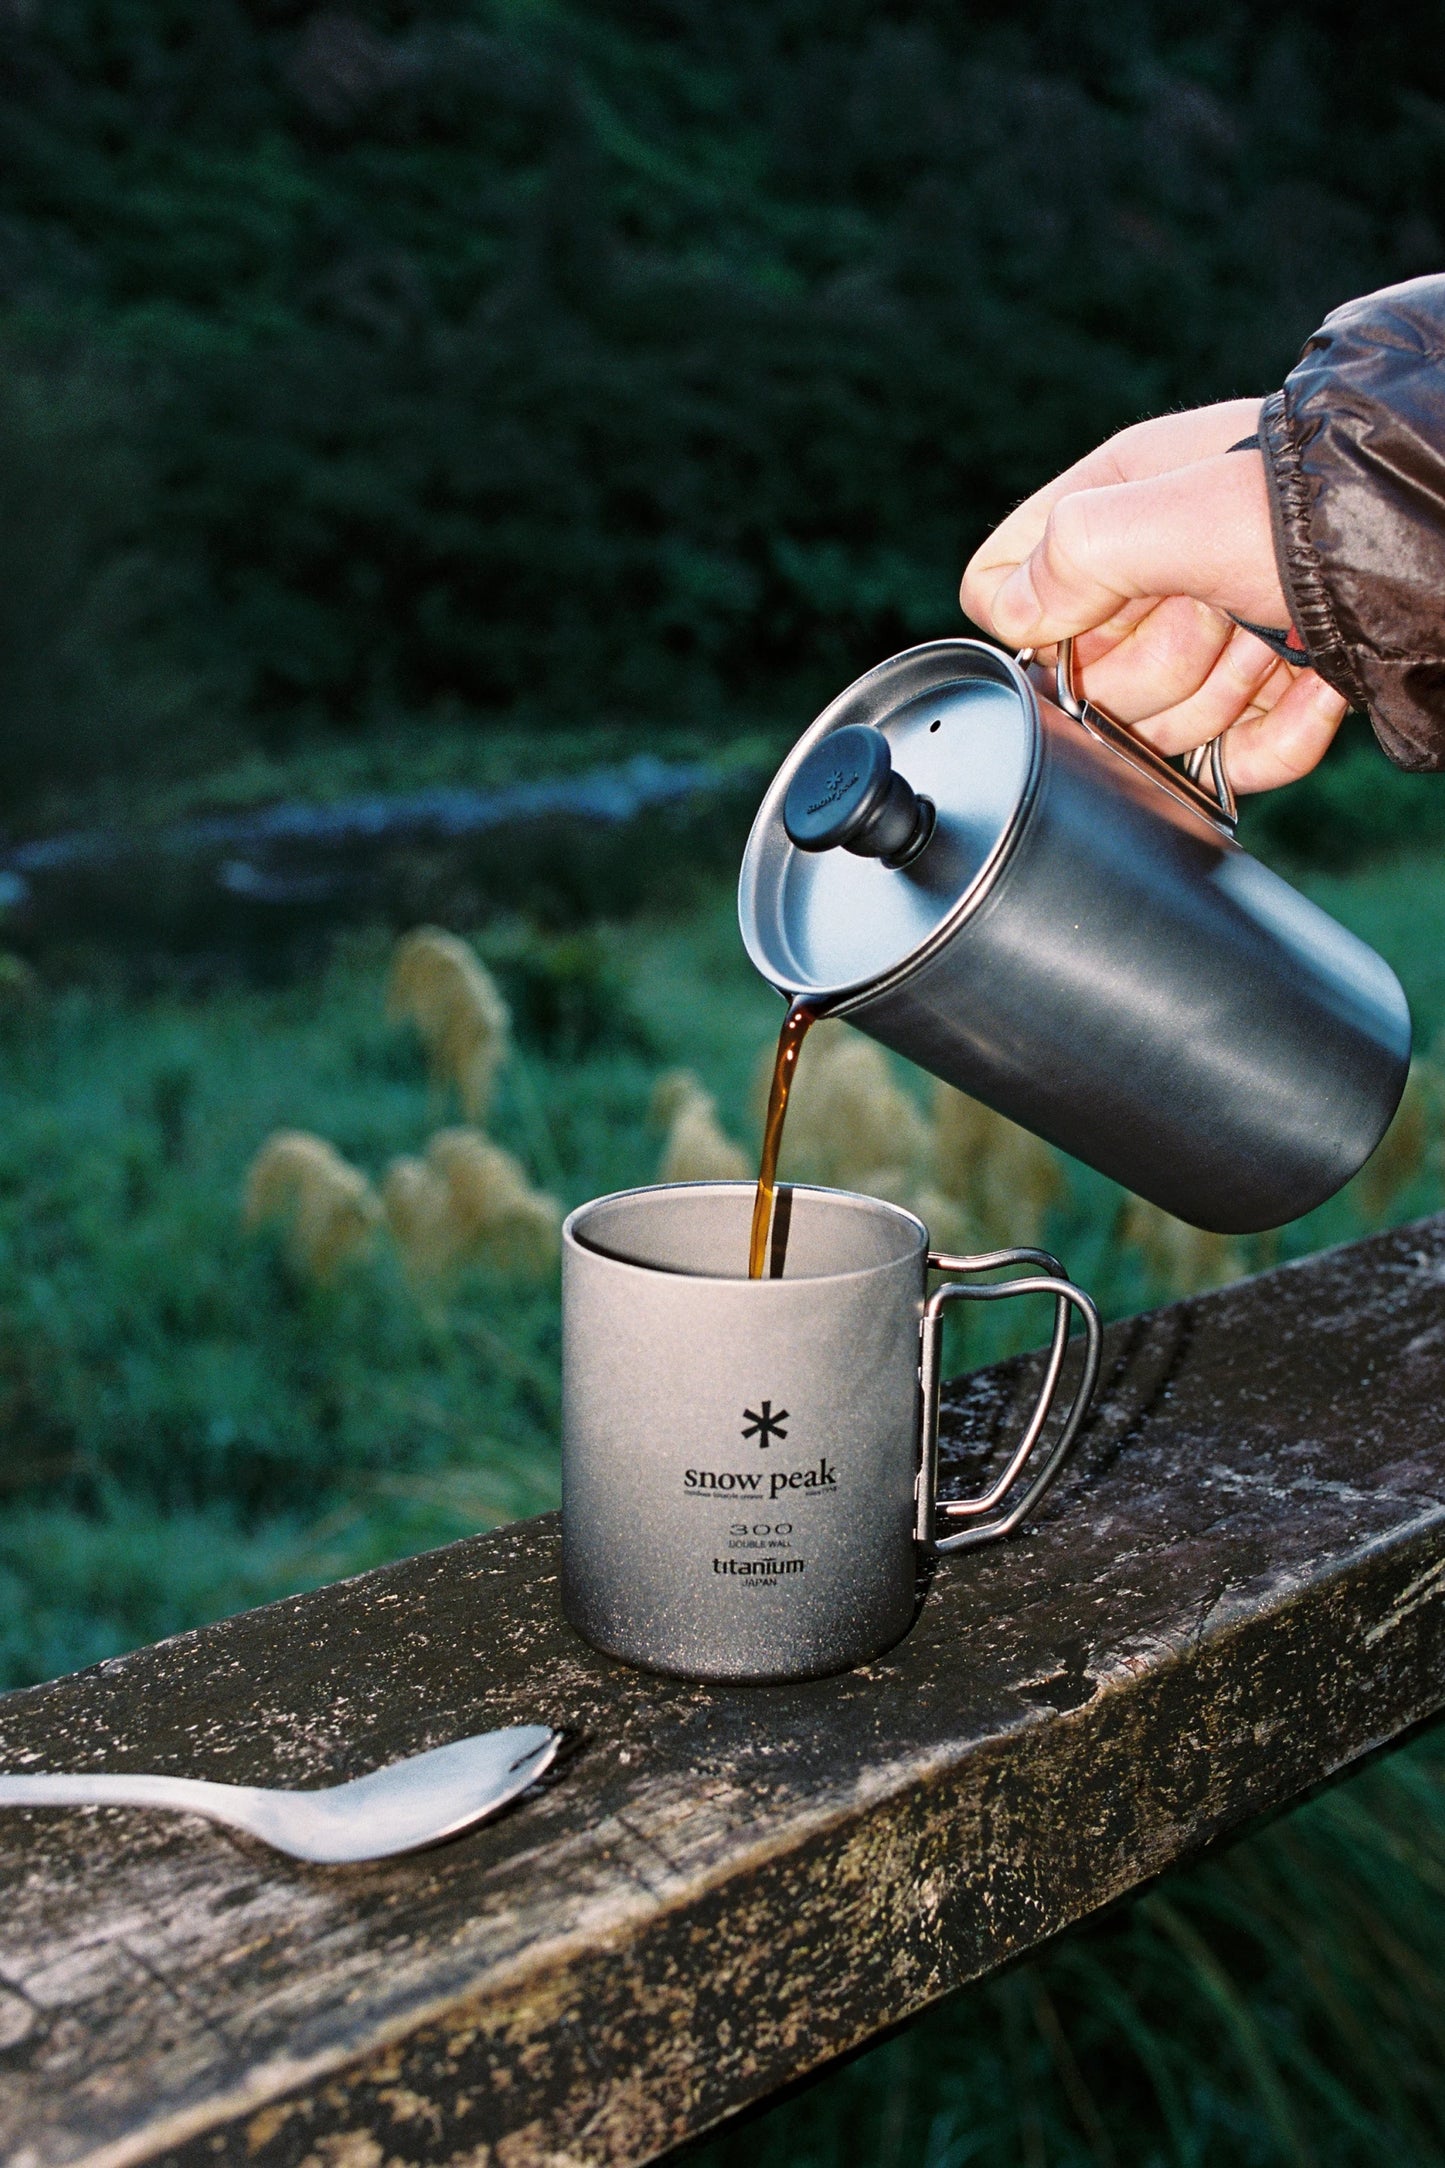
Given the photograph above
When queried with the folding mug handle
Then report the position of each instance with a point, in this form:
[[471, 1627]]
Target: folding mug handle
[[1066, 1296]]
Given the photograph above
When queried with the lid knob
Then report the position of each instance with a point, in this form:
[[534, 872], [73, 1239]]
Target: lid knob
[[846, 792]]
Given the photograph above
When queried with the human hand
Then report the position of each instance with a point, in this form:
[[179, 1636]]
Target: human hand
[[1145, 551]]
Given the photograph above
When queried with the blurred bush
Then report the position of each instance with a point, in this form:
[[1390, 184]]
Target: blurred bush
[[425, 355], [94, 670], [566, 993], [1354, 808]]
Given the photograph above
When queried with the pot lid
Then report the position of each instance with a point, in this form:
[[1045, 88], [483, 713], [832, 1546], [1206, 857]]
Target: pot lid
[[889, 820]]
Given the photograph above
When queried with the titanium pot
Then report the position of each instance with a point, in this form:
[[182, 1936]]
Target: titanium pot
[[1020, 896], [749, 1466]]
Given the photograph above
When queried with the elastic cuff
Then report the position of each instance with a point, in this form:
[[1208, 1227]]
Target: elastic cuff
[[1300, 572]]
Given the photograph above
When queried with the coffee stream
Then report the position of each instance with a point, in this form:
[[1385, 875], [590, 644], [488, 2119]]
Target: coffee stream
[[790, 1046]]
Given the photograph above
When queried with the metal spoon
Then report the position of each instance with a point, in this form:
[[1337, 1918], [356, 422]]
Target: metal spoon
[[397, 1809]]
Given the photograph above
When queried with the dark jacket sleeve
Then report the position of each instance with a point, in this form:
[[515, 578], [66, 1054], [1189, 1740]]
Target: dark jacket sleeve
[[1355, 447]]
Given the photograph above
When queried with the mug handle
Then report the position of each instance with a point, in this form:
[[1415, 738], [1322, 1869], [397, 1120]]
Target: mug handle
[[1066, 1296]]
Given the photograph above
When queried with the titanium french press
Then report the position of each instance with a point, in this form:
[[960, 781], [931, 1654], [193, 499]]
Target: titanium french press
[[1009, 888]]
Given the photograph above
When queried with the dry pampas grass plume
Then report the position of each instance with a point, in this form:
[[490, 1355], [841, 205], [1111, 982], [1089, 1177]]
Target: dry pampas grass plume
[[950, 1226], [328, 1208], [1005, 1178], [467, 1201], [1186, 1260], [418, 1216], [698, 1148], [1407, 1147], [437, 983]]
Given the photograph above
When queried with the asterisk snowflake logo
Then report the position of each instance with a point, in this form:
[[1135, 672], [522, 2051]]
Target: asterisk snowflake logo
[[763, 1425]]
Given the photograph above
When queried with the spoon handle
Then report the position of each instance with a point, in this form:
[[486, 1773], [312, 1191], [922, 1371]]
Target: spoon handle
[[187, 1794], [399, 1808]]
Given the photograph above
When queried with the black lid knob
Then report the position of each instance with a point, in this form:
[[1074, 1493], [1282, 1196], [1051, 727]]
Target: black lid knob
[[846, 792]]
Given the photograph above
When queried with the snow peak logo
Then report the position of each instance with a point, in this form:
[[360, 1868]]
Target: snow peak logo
[[838, 783], [762, 1424], [751, 1482]]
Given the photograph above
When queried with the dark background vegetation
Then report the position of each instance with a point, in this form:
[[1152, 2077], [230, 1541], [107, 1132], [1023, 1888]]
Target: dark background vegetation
[[615, 360], [409, 394]]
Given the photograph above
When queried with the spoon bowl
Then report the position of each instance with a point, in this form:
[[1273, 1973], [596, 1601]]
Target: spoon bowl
[[401, 1808]]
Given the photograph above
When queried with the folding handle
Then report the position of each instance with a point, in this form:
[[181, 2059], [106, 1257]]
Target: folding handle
[[1218, 801], [1066, 1297]]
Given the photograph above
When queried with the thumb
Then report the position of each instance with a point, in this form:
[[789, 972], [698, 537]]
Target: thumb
[[1202, 530]]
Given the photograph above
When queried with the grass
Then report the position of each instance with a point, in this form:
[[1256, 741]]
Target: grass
[[190, 1428], [452, 750], [1398, 906]]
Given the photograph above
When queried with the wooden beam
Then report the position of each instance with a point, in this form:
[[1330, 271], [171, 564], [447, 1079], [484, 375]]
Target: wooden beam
[[1237, 1590]]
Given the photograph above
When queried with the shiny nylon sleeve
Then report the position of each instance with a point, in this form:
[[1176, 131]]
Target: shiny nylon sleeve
[[1355, 445]]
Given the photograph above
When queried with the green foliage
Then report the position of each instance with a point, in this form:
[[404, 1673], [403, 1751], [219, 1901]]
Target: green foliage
[[187, 1425], [1352, 809], [621, 360], [565, 991], [91, 673]]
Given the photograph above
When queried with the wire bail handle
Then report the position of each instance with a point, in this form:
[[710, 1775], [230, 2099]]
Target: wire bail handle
[[1066, 1296], [1218, 801]]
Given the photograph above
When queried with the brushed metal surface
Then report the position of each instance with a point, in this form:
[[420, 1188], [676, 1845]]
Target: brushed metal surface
[[694, 1541], [828, 923], [403, 1807], [1114, 971]]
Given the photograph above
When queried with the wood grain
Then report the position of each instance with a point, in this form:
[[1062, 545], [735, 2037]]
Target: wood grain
[[1236, 1590]]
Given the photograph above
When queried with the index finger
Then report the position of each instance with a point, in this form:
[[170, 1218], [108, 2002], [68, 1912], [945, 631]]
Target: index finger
[[1135, 454]]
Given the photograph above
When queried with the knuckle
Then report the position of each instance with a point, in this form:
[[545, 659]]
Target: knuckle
[[1068, 544], [976, 594]]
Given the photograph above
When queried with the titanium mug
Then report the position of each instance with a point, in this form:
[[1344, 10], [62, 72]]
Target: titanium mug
[[749, 1467]]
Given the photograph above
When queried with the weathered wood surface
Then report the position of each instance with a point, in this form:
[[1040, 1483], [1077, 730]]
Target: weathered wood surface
[[1237, 1590]]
